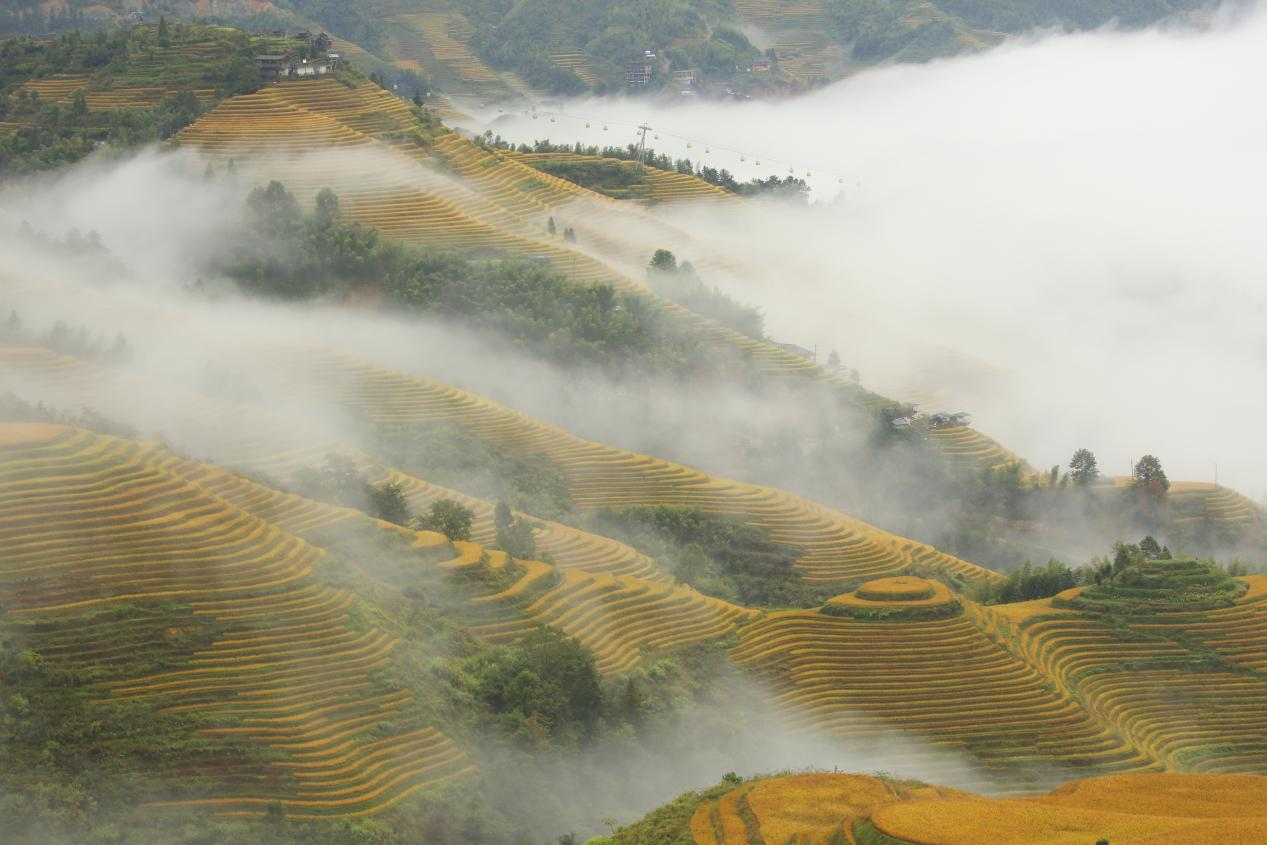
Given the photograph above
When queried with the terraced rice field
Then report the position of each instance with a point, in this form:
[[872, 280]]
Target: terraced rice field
[[799, 29], [1188, 689], [244, 435], [62, 89], [57, 88], [943, 681], [966, 445], [579, 64], [621, 618], [92, 523], [1193, 503], [446, 34], [834, 547], [183, 66]]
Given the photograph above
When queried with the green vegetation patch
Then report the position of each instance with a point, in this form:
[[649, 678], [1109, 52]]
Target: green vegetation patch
[[719, 557], [893, 613], [1159, 586], [284, 252], [446, 455]]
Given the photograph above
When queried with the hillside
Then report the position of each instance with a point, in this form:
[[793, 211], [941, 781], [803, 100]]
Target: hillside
[[421, 184], [500, 50], [499, 208], [835, 548], [998, 684], [417, 492], [826, 808]]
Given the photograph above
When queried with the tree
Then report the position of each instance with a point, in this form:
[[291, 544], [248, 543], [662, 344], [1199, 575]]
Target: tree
[[418, 98], [1125, 554], [338, 482], [164, 40], [273, 209], [502, 517], [13, 326], [451, 518], [569, 235], [327, 207], [1149, 475], [1083, 468], [833, 359], [664, 261], [388, 503], [79, 104], [691, 563], [1149, 484], [514, 536], [1151, 548], [550, 227], [632, 703]]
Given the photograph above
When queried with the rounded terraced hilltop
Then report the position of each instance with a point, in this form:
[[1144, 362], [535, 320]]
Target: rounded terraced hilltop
[[902, 595]]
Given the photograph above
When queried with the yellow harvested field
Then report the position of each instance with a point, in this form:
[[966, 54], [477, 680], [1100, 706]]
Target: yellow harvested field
[[1131, 809], [825, 809], [900, 588], [901, 593], [814, 804]]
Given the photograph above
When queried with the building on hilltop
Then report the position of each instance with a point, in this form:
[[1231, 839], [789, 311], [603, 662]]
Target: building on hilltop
[[272, 65], [287, 66], [312, 67]]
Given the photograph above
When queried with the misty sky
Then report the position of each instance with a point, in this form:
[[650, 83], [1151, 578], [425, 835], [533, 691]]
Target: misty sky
[[1063, 235]]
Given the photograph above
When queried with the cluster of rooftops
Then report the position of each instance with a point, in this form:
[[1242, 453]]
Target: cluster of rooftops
[[291, 66], [937, 420]]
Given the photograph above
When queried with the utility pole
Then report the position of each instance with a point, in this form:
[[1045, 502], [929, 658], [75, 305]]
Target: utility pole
[[642, 144]]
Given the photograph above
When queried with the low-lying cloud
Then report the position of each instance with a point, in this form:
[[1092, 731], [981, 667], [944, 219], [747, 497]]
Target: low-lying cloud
[[1062, 235]]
